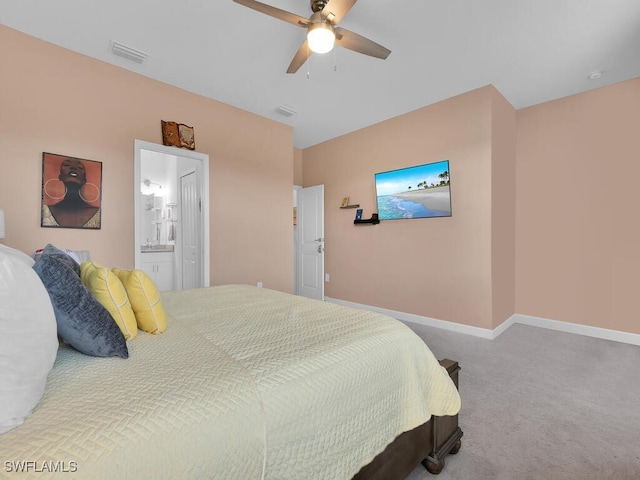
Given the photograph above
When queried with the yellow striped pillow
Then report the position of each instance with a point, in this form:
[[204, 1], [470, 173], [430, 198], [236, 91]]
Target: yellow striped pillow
[[145, 300], [107, 288]]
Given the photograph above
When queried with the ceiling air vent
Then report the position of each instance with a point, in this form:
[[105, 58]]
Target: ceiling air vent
[[127, 52], [285, 111]]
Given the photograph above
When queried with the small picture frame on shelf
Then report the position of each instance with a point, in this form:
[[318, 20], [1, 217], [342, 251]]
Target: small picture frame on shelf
[[345, 202], [170, 134], [359, 214], [187, 138]]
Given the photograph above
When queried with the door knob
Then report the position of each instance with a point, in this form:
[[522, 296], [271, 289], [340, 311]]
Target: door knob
[[321, 239]]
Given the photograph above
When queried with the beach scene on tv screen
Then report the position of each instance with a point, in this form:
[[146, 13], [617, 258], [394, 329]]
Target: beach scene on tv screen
[[414, 192]]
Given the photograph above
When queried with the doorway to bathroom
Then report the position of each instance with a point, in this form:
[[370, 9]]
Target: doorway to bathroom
[[171, 200]]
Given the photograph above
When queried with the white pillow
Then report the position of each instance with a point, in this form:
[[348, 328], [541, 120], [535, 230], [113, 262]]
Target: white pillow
[[28, 338], [4, 250]]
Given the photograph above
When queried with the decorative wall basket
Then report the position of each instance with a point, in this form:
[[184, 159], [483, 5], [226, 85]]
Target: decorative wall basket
[[178, 135]]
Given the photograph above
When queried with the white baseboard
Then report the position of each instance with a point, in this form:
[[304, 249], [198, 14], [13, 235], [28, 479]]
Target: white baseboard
[[429, 322], [606, 334], [597, 332]]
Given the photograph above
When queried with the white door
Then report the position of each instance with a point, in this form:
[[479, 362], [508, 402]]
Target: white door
[[311, 238], [190, 226]]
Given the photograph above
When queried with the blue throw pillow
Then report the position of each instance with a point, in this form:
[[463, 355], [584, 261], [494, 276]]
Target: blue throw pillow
[[52, 251], [81, 320]]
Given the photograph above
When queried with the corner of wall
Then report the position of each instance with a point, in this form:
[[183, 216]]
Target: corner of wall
[[298, 174], [503, 211]]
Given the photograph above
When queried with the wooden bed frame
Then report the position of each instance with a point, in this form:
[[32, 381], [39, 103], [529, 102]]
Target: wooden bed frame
[[428, 444]]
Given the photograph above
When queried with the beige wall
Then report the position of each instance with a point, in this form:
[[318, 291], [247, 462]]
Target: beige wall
[[573, 244], [544, 211], [58, 101], [578, 228], [441, 267]]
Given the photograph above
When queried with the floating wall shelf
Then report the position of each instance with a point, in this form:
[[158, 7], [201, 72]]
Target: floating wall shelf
[[352, 206], [371, 221]]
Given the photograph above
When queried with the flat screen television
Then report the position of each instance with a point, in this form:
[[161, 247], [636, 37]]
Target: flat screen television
[[414, 192]]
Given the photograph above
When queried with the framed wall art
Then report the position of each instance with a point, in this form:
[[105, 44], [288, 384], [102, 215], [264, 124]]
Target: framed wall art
[[421, 191], [178, 135], [187, 138], [71, 192], [170, 134]]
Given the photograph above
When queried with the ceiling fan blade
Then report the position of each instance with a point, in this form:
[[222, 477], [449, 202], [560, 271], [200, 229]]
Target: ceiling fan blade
[[360, 44], [275, 12], [299, 58], [335, 10]]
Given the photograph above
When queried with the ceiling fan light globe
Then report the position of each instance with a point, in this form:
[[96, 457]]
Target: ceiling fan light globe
[[321, 38]]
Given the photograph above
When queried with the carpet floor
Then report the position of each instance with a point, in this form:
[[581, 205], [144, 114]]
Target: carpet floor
[[539, 404]]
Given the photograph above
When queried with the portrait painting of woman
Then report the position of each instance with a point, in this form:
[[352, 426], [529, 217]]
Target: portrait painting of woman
[[71, 192]]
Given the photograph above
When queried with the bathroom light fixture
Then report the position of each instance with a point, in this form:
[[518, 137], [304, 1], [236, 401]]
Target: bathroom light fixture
[[148, 183], [147, 187]]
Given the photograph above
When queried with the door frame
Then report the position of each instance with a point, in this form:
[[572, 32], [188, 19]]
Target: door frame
[[203, 158]]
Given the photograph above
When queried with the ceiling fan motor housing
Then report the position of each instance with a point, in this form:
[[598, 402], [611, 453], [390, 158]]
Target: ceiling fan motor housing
[[316, 19], [318, 5]]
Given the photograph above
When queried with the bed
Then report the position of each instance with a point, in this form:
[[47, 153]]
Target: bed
[[245, 383]]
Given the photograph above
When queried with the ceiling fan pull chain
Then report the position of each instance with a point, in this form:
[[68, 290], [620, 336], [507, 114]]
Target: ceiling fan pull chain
[[335, 59], [308, 63]]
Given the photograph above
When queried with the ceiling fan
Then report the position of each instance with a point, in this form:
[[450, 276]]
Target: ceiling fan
[[322, 32]]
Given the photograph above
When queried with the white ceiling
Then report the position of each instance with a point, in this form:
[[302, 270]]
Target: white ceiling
[[532, 51]]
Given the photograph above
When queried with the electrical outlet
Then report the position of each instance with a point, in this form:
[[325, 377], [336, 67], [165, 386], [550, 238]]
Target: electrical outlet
[[326, 277], [259, 284]]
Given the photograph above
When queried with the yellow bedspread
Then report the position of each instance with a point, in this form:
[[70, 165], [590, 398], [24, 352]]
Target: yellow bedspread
[[246, 383]]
